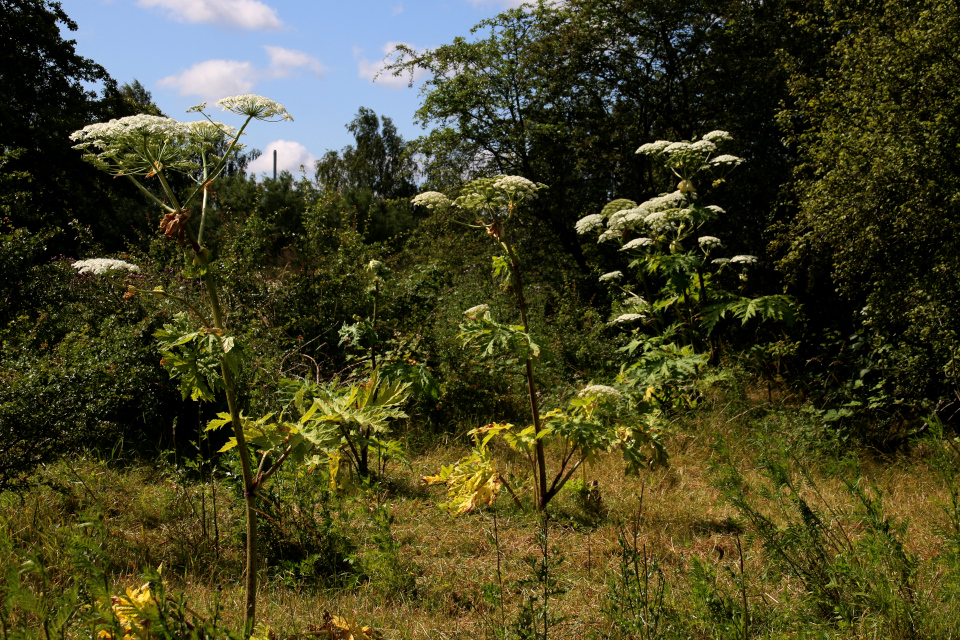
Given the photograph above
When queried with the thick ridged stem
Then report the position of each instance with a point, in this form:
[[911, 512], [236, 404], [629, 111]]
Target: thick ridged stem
[[531, 385], [249, 482]]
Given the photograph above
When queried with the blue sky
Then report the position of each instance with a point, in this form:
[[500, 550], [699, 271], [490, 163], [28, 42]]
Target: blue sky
[[317, 58]]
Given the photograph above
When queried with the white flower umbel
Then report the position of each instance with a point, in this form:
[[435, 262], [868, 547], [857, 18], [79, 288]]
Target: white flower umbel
[[99, 266], [744, 259], [659, 221], [601, 392], [710, 242], [135, 145], [721, 261], [254, 106], [637, 243], [703, 146], [613, 275], [624, 318], [588, 223], [477, 312], [431, 200], [725, 160], [104, 134], [614, 206], [666, 201], [517, 189], [718, 136], [653, 148], [609, 234], [715, 209], [210, 131]]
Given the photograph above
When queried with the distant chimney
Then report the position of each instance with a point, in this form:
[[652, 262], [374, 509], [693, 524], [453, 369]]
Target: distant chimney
[[274, 164]]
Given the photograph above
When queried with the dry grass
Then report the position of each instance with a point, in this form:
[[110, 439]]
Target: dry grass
[[677, 515]]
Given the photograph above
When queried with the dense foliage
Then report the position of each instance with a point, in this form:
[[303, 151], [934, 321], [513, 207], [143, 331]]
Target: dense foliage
[[844, 114]]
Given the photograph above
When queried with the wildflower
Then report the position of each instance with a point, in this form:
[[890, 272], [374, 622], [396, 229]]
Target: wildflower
[[254, 106], [709, 242], [725, 160], [588, 223], [666, 201], [99, 266], [475, 313], [617, 205], [613, 275], [715, 209], [628, 317], [600, 391], [103, 134], [609, 234], [652, 148], [658, 221], [517, 185], [374, 265], [431, 200], [718, 136], [206, 131], [721, 261], [636, 243], [743, 259], [705, 147]]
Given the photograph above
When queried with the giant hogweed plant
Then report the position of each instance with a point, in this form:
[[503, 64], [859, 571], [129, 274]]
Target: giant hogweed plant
[[197, 348], [676, 303], [597, 419]]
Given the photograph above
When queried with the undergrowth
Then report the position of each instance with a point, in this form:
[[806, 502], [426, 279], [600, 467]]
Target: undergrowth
[[751, 533]]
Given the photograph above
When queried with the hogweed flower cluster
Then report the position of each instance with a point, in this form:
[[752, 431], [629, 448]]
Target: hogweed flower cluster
[[600, 392], [99, 266], [477, 312], [431, 200], [709, 242], [253, 106]]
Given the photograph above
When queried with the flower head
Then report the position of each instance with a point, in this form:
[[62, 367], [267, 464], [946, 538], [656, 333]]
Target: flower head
[[628, 317], [718, 136], [588, 223], [431, 200], [518, 187], [710, 242], [613, 275], [637, 243], [725, 161], [653, 148], [744, 259], [99, 266], [475, 313], [614, 206], [609, 234], [600, 392], [254, 106]]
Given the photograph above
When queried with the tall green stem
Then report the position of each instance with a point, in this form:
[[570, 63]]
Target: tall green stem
[[249, 482], [542, 497], [203, 208]]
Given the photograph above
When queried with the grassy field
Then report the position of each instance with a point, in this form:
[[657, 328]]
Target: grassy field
[[750, 533]]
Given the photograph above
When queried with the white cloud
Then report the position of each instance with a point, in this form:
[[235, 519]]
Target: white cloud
[[284, 61], [397, 10], [290, 156], [245, 14], [214, 79], [369, 70]]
